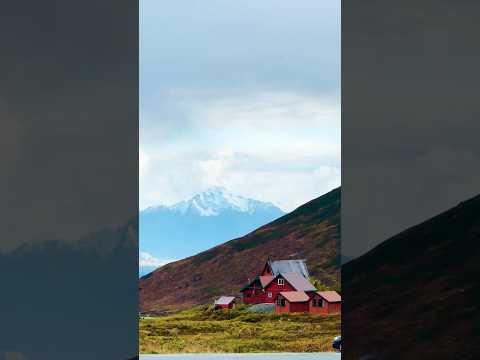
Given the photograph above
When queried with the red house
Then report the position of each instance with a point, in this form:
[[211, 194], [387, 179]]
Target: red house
[[224, 303], [276, 277], [325, 302], [292, 301]]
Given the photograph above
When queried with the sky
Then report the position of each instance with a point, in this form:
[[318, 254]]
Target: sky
[[241, 95]]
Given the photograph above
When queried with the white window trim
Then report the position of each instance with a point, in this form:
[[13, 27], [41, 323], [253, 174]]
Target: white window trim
[[269, 294], [280, 281]]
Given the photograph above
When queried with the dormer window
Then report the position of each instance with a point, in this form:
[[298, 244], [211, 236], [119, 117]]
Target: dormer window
[[281, 281]]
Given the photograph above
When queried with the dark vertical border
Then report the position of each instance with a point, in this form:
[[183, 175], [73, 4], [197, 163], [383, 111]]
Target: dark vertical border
[[410, 151], [69, 179]]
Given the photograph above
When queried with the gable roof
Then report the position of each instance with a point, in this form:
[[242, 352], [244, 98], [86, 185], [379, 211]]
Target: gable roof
[[330, 296], [289, 266], [224, 300], [298, 281], [295, 296], [265, 280], [294, 271]]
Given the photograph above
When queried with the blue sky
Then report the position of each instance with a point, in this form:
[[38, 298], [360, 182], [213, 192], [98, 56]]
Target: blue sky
[[244, 95]]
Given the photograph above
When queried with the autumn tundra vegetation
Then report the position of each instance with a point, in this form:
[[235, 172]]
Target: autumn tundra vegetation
[[203, 329]]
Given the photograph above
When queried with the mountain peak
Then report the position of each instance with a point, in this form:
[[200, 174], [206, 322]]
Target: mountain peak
[[215, 200]]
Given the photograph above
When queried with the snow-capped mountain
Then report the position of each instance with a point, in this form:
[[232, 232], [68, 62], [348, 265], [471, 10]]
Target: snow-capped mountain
[[191, 226], [213, 202]]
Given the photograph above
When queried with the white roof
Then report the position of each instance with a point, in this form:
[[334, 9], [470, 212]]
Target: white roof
[[298, 282], [289, 266], [224, 300]]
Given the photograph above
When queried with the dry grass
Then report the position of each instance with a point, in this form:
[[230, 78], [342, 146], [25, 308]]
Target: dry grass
[[201, 330]]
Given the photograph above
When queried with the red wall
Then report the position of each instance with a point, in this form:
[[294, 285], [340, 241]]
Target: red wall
[[282, 309], [259, 296], [225, 307], [334, 308], [275, 289], [329, 308], [299, 306], [292, 307]]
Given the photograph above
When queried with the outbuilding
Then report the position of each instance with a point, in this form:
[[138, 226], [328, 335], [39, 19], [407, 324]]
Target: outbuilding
[[325, 302], [224, 303]]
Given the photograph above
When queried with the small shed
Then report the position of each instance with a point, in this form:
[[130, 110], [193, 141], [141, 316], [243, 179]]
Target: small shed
[[325, 302], [291, 301], [224, 303]]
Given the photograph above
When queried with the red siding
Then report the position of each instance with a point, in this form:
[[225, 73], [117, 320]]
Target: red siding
[[282, 309], [275, 289], [259, 296], [334, 308], [291, 307], [253, 296], [225, 307], [299, 307], [328, 308]]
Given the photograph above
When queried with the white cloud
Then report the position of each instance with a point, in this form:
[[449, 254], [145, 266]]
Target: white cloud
[[146, 259], [278, 147], [143, 162], [269, 111]]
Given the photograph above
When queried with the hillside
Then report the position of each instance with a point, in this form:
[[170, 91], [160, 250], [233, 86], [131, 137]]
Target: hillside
[[418, 292], [312, 232]]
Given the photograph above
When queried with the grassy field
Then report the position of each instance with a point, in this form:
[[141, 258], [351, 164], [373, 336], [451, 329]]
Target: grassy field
[[201, 329]]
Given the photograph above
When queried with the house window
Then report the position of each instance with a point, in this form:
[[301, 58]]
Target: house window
[[283, 302], [281, 282], [279, 302], [314, 302], [269, 294]]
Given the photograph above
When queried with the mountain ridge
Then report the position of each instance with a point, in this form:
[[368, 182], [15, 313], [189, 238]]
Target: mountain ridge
[[417, 288], [71, 285], [202, 203]]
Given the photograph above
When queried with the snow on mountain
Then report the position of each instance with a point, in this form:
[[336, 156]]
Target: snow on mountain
[[214, 201], [206, 220]]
